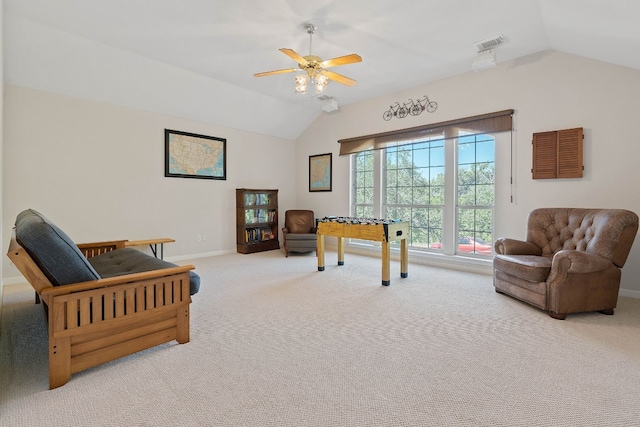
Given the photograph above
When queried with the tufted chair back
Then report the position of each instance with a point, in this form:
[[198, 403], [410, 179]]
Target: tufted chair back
[[605, 232]]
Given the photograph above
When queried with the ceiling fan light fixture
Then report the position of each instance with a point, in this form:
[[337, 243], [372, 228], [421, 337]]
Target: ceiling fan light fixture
[[321, 81], [301, 82], [315, 68]]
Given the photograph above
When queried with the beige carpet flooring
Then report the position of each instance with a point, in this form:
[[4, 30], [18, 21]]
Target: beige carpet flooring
[[274, 342]]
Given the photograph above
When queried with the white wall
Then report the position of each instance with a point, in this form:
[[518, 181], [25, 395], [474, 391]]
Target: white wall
[[548, 91], [97, 171]]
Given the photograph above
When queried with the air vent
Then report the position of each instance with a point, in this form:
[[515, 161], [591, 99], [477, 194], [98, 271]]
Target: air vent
[[323, 97], [487, 44]]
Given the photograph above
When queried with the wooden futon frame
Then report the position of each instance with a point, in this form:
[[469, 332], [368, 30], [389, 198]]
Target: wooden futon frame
[[93, 322]]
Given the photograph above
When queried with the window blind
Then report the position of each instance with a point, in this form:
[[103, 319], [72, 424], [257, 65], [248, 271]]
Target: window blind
[[498, 121]]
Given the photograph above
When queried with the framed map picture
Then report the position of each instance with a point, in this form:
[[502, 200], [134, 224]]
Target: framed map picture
[[188, 155], [320, 172]]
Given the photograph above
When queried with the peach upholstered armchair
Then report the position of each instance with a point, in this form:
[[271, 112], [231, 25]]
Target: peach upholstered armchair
[[570, 262], [299, 231]]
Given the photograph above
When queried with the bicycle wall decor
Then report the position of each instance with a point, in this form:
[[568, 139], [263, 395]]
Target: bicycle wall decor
[[412, 107]]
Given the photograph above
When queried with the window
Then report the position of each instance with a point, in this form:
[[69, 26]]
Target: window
[[475, 195], [416, 186], [414, 189], [439, 177], [363, 185]]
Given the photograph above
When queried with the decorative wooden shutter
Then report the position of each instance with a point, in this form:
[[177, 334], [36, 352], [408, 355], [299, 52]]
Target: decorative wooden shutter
[[570, 153], [544, 155], [557, 154]]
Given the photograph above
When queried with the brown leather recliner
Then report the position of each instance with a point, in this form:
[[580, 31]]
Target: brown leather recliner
[[570, 262], [299, 231]]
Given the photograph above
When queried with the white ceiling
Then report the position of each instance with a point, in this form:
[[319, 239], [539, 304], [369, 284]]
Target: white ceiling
[[403, 43]]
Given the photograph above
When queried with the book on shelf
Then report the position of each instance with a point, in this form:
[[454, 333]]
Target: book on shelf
[[257, 199], [255, 216], [265, 199], [253, 235], [249, 199]]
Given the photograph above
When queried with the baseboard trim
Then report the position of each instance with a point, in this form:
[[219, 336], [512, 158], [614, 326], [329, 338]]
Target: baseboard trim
[[629, 293], [200, 255], [16, 280]]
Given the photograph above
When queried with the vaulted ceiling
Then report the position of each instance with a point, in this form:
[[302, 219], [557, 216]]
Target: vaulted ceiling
[[402, 43]]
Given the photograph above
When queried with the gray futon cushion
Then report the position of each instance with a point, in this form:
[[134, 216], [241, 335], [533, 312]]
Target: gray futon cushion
[[128, 261], [52, 250]]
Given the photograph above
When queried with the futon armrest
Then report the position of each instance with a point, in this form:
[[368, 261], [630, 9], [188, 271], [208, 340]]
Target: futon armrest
[[97, 248], [575, 262], [118, 243], [51, 292], [506, 246]]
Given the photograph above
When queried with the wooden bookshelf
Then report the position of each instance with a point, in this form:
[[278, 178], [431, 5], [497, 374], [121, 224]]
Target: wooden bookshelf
[[256, 220]]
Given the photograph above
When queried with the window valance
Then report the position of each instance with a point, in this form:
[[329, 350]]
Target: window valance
[[498, 121]]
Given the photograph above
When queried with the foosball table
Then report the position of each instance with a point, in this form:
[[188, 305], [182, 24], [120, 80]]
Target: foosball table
[[379, 230]]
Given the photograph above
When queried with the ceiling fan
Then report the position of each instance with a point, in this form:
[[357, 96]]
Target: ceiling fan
[[316, 68]]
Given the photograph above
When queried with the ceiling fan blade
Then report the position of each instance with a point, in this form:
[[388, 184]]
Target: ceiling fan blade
[[341, 60], [270, 73], [292, 54], [339, 78]]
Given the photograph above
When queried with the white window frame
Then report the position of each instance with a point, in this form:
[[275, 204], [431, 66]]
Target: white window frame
[[450, 232]]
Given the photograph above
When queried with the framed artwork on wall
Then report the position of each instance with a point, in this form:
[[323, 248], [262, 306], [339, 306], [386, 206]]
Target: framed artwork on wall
[[189, 155], [320, 172]]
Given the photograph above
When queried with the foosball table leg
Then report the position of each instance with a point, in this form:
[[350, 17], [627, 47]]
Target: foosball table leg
[[404, 258], [320, 252], [386, 261]]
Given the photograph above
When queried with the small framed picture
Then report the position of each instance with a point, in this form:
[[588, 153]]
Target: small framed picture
[[320, 172], [189, 155]]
